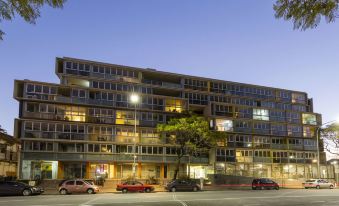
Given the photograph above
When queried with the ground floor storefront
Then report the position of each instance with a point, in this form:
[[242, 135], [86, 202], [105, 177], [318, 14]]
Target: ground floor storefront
[[8, 169], [31, 169]]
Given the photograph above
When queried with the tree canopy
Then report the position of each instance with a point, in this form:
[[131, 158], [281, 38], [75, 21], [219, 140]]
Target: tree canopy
[[2, 130], [29, 10], [330, 137], [191, 134], [306, 14]]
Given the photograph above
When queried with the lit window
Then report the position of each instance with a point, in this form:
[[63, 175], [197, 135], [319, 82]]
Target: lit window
[[261, 114], [224, 125], [309, 119]]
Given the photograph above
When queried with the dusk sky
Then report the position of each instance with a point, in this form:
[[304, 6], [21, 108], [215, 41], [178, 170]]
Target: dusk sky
[[230, 40]]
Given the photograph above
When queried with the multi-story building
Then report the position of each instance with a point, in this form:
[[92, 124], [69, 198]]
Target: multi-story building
[[9, 152], [84, 126]]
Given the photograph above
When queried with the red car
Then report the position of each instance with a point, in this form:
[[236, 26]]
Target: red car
[[134, 186], [264, 183]]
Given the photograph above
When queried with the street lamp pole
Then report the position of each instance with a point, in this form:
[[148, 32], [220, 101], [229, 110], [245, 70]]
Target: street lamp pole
[[134, 99], [318, 152]]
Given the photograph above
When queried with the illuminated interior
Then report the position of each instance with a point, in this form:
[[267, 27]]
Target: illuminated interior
[[174, 105], [309, 119], [224, 125]]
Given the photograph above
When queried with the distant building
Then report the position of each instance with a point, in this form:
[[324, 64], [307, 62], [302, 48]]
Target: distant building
[[84, 126], [9, 151]]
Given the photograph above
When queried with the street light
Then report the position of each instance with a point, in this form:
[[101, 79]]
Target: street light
[[318, 152], [134, 98]]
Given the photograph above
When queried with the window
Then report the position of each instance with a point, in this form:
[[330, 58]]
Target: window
[[309, 119], [261, 114], [224, 125], [70, 183], [298, 98]]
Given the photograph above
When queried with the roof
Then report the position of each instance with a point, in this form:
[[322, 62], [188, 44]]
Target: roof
[[8, 138]]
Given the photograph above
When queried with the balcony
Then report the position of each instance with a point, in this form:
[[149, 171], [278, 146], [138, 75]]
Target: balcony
[[162, 84]]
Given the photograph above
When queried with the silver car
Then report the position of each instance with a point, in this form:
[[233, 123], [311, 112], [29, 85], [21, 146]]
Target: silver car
[[318, 183]]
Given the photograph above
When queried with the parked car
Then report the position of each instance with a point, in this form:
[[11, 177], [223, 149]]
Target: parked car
[[182, 185], [317, 183], [77, 186], [134, 186], [18, 188], [264, 183]]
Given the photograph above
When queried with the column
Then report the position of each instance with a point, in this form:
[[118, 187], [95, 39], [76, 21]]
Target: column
[[88, 169], [60, 170], [162, 171], [139, 170]]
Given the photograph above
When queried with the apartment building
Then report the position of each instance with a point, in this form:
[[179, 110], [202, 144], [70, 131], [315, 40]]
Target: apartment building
[[9, 151], [84, 126]]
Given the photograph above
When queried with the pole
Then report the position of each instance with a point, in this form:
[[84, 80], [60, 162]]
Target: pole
[[318, 152], [135, 138]]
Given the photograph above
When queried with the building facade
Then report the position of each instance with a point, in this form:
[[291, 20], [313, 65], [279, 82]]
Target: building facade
[[84, 126], [9, 152]]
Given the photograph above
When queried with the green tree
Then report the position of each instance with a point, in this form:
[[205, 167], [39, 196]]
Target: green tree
[[29, 10], [330, 137], [306, 14], [191, 134]]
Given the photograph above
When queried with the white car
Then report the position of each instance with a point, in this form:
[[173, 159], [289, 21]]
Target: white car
[[318, 183]]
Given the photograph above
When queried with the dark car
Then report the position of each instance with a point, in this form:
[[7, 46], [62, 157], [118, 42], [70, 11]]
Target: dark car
[[182, 185], [264, 183], [134, 186], [18, 188]]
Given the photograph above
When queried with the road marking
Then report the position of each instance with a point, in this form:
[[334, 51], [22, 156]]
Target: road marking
[[176, 199], [11, 200], [90, 201]]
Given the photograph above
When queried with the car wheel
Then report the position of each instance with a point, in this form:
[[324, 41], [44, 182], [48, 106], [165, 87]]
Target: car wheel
[[90, 191], [173, 189], [254, 188], [124, 190], [63, 192], [195, 189], [318, 187], [331, 186], [306, 187], [148, 190], [26, 192], [276, 188]]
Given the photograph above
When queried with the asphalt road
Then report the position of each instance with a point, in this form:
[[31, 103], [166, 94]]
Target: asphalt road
[[290, 197]]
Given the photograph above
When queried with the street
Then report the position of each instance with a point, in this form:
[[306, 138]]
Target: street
[[229, 197]]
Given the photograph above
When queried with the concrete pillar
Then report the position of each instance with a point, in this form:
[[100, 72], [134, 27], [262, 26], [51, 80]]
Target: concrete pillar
[[115, 169], [139, 170], [88, 169], [162, 171], [60, 170]]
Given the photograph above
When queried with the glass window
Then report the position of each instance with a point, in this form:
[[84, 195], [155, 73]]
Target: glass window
[[261, 114], [309, 119], [70, 183], [224, 125]]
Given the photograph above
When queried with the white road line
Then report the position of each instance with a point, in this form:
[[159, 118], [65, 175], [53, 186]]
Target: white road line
[[90, 201], [11, 200], [176, 199]]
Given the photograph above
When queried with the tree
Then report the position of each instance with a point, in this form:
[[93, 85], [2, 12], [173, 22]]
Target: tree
[[330, 137], [2, 130], [190, 134], [29, 10], [306, 14]]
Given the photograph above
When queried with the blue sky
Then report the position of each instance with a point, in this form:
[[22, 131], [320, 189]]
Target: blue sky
[[234, 40]]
